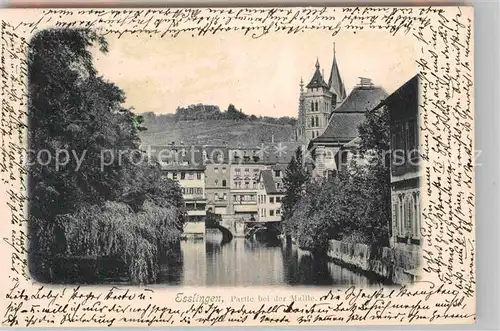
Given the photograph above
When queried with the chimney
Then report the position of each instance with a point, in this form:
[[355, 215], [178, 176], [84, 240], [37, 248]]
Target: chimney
[[364, 81]]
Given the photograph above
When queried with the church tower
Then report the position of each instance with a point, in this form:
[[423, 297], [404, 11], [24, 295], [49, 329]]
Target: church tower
[[317, 105], [335, 83], [317, 102], [300, 128]]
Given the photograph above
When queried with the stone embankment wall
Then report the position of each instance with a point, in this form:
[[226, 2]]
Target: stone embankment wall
[[399, 265]]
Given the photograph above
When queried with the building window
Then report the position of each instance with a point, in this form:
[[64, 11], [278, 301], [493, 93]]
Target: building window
[[237, 170], [312, 105], [271, 199], [216, 182], [183, 175], [247, 185], [401, 215], [174, 175], [224, 183], [313, 134], [216, 196], [278, 212], [223, 170], [254, 184], [277, 173], [416, 211], [216, 170], [278, 186], [316, 104], [247, 170], [317, 121], [412, 140], [198, 175], [278, 199], [398, 142], [271, 212], [409, 215], [224, 197]]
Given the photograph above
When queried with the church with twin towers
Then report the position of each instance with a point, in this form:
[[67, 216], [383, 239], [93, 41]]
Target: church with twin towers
[[318, 100]]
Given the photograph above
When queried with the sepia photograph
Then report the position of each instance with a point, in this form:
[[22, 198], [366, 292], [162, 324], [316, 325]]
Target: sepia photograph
[[237, 166], [223, 161]]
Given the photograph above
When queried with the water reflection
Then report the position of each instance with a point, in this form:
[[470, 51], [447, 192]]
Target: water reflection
[[245, 263]]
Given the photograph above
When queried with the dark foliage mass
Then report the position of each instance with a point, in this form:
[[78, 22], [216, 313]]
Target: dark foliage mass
[[88, 198], [353, 207], [213, 112]]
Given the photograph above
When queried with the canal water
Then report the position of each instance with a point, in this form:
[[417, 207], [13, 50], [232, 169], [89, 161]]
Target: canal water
[[243, 262]]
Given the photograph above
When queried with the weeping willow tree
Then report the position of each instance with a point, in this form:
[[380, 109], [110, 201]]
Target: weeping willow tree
[[125, 209], [115, 230]]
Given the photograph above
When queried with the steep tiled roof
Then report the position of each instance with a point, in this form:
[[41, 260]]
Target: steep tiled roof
[[361, 99], [270, 153], [335, 82], [344, 121], [317, 80], [269, 183], [178, 156], [408, 91]]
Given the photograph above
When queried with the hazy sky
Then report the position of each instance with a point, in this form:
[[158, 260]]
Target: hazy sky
[[260, 76]]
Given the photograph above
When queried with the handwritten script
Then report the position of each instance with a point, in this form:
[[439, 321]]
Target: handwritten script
[[446, 290], [353, 305]]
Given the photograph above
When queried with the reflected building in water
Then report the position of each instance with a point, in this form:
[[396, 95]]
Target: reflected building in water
[[244, 262]]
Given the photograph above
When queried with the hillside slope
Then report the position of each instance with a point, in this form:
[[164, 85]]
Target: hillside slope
[[243, 133]]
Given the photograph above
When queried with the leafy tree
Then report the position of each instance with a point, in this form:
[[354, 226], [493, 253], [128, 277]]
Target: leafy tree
[[295, 178], [345, 208], [375, 144], [78, 116], [234, 114]]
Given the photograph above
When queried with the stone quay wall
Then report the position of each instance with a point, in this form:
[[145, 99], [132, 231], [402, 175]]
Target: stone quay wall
[[399, 264]]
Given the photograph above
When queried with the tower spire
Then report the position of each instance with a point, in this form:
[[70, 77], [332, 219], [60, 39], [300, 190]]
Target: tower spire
[[317, 63], [301, 85], [335, 83]]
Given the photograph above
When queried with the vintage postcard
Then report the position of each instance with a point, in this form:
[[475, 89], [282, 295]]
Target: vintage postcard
[[237, 166]]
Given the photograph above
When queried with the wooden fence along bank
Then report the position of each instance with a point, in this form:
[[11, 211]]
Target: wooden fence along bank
[[397, 265]]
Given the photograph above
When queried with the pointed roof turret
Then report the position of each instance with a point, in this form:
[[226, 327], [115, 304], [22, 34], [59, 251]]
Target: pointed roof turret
[[335, 83], [317, 79]]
